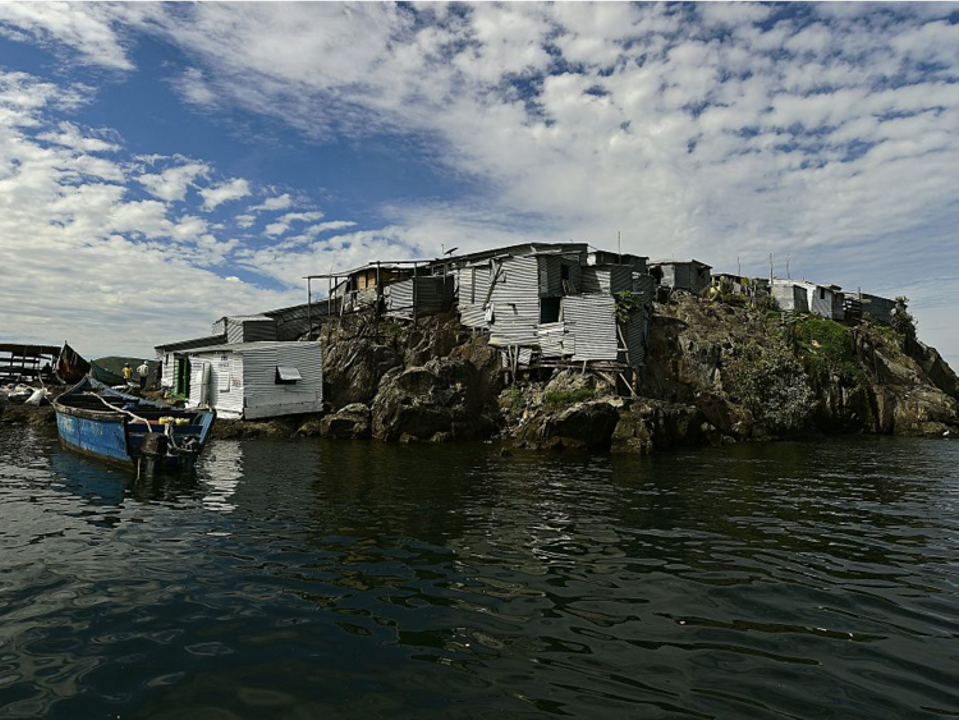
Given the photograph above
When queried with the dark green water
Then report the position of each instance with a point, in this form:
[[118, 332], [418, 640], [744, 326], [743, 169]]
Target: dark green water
[[354, 580]]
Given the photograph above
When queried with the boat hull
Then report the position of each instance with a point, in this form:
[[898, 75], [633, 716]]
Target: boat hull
[[101, 439]]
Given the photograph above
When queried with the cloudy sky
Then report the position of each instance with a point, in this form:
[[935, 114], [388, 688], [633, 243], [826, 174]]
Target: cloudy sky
[[162, 165]]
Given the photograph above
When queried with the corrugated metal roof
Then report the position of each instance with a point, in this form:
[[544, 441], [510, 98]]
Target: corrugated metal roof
[[244, 347], [190, 344]]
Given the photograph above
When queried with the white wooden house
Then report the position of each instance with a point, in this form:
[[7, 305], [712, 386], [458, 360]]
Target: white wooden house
[[257, 379]]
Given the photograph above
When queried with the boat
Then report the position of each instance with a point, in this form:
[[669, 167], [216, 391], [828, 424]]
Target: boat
[[95, 420], [71, 365]]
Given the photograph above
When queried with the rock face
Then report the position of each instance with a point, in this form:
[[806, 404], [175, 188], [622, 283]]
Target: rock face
[[716, 373], [756, 376], [431, 382]]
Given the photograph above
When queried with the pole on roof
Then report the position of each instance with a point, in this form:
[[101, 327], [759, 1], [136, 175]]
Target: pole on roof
[[619, 243], [309, 308]]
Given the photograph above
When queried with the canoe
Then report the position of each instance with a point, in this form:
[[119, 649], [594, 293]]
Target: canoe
[[70, 365], [121, 429]]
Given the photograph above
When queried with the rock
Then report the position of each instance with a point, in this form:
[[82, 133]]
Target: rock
[[650, 425], [350, 423], [583, 425], [446, 395]]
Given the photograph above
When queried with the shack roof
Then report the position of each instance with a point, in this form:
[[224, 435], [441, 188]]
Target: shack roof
[[688, 261], [29, 350], [259, 344], [806, 284], [246, 318], [190, 344]]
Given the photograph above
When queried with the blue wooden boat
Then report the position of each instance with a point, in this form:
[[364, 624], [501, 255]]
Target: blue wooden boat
[[139, 434]]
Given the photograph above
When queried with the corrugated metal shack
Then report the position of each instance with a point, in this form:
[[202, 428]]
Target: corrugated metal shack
[[418, 296], [406, 289], [876, 307], [791, 296], [740, 285], [801, 296], [553, 304], [246, 328], [258, 379], [690, 275]]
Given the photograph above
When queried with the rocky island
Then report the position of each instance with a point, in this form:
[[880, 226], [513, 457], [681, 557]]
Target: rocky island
[[715, 372]]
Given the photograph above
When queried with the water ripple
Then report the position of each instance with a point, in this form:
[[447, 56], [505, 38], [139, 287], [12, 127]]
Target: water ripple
[[353, 580]]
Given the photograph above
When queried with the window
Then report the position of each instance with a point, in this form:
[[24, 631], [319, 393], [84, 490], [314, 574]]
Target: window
[[822, 293], [287, 375], [549, 310]]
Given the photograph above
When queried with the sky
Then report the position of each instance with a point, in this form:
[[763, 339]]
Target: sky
[[163, 165]]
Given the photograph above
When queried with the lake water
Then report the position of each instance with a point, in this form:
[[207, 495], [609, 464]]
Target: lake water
[[357, 580]]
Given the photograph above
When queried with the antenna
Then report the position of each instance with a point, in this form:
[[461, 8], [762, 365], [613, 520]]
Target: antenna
[[770, 268], [739, 267], [788, 276], [619, 244], [450, 251]]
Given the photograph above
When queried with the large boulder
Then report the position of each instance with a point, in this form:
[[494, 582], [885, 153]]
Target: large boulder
[[349, 423], [588, 424]]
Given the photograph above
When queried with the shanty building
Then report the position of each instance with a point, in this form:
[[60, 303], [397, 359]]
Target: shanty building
[[740, 285], [550, 304], [257, 379], [690, 275], [801, 296], [875, 307], [405, 289]]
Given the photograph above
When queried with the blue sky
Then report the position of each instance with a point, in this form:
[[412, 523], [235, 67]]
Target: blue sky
[[165, 164]]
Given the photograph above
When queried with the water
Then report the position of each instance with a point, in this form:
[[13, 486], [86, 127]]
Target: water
[[357, 580]]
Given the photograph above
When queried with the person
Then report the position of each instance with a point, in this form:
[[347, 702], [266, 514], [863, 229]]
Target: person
[[142, 373], [127, 372]]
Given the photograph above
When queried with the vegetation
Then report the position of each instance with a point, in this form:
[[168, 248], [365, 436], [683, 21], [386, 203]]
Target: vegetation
[[627, 304], [564, 398], [825, 346], [515, 402], [770, 382], [902, 320]]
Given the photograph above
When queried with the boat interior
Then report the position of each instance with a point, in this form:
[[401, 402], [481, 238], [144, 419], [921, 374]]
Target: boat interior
[[91, 401]]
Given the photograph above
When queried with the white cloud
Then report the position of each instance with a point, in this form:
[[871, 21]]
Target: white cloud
[[72, 241], [285, 221], [227, 191], [172, 183], [714, 130], [279, 202]]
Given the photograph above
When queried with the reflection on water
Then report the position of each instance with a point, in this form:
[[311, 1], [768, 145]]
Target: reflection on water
[[307, 579], [222, 470]]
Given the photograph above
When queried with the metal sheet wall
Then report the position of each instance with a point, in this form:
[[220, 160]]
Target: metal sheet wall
[[608, 279], [552, 340], [589, 319], [432, 296], [820, 301], [644, 286], [246, 376], [515, 324], [636, 338], [242, 331]]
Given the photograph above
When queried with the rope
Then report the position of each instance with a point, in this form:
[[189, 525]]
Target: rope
[[126, 412]]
